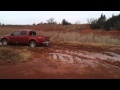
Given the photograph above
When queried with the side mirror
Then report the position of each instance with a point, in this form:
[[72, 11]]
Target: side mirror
[[12, 34]]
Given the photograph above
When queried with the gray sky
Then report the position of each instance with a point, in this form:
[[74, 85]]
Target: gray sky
[[30, 17]]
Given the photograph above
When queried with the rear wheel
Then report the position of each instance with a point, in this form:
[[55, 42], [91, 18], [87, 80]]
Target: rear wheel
[[4, 42], [32, 44]]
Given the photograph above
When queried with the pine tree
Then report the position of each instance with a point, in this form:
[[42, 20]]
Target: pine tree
[[101, 21], [113, 23], [64, 22]]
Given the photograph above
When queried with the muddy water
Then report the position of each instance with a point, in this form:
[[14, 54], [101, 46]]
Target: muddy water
[[70, 56], [90, 62]]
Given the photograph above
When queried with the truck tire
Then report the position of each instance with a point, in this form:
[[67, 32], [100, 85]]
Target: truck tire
[[32, 44], [4, 42]]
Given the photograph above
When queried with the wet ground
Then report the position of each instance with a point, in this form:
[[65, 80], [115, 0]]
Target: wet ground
[[62, 61]]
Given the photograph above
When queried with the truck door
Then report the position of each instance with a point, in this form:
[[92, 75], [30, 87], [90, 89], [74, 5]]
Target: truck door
[[14, 37], [23, 38]]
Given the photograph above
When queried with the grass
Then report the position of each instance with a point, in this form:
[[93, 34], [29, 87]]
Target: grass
[[67, 36], [81, 38], [14, 54]]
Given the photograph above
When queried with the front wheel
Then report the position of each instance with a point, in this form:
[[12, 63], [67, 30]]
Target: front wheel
[[32, 44], [4, 42]]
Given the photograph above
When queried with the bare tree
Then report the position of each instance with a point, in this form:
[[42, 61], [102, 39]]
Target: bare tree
[[51, 21], [91, 20]]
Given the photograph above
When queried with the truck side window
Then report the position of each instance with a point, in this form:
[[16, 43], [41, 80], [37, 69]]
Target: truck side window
[[16, 33], [32, 33], [23, 32]]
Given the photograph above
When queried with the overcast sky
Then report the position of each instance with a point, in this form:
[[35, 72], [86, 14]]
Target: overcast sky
[[30, 17]]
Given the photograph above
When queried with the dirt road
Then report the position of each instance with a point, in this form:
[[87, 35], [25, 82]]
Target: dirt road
[[67, 62]]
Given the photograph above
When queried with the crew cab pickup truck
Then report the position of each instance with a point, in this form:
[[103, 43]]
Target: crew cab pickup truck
[[25, 36]]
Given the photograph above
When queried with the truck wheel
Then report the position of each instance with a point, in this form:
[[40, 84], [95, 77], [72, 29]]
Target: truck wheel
[[4, 42], [32, 44]]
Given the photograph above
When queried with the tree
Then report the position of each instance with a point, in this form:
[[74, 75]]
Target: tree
[[51, 21], [93, 23], [91, 20], [97, 23], [64, 22], [113, 23], [101, 21], [33, 24], [117, 25]]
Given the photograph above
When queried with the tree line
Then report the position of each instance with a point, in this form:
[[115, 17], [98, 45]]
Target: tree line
[[113, 23], [52, 21]]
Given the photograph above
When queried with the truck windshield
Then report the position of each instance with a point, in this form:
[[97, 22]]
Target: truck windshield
[[32, 33]]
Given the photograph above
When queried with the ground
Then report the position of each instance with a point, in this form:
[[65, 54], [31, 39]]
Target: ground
[[66, 61]]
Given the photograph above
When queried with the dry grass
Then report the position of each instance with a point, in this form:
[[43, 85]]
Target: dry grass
[[13, 54], [7, 30], [66, 36], [80, 38]]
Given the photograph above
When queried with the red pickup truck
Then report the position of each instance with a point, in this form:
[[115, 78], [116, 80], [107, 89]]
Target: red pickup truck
[[25, 36]]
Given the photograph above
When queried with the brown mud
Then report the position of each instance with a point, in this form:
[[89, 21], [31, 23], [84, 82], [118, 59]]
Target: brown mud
[[62, 61]]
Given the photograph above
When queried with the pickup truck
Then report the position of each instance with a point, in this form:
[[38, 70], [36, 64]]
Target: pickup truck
[[25, 36]]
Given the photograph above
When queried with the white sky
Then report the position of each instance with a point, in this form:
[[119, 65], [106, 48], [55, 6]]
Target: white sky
[[30, 17]]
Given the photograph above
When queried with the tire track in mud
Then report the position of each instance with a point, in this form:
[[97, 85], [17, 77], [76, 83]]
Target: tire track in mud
[[60, 61], [98, 62]]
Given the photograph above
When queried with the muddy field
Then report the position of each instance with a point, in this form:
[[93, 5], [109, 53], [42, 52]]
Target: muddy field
[[65, 61]]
